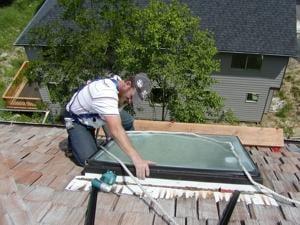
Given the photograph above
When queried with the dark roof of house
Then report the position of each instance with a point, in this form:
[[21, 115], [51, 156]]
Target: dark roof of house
[[258, 26], [34, 172]]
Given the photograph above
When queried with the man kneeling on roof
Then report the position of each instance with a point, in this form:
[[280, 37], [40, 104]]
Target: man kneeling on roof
[[97, 104]]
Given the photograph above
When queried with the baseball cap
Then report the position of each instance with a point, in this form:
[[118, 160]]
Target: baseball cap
[[142, 85]]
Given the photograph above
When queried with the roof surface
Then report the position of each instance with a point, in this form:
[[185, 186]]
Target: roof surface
[[257, 26], [34, 172]]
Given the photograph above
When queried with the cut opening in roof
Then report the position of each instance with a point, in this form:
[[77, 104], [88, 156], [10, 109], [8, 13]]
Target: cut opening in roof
[[182, 156]]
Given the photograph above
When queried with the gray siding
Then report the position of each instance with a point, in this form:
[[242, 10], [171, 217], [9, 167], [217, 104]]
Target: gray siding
[[269, 100], [233, 85], [44, 92], [145, 111]]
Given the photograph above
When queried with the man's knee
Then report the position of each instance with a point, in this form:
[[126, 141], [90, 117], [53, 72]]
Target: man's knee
[[82, 143]]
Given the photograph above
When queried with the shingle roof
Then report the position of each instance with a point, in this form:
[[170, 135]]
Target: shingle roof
[[34, 173], [257, 26]]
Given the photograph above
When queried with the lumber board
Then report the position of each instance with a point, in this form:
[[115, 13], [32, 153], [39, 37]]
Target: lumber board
[[252, 136]]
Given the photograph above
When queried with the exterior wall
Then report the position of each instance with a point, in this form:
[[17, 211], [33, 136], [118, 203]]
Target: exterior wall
[[145, 111], [269, 100], [234, 84], [298, 28]]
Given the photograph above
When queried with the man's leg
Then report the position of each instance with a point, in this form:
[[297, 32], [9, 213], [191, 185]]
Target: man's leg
[[82, 142]]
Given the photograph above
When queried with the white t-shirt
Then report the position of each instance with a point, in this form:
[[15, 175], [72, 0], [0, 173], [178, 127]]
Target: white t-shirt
[[98, 97]]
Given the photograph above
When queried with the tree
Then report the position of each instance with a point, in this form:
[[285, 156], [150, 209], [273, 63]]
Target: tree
[[166, 41], [161, 39]]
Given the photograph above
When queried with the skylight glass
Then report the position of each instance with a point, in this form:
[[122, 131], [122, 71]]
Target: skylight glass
[[187, 155]]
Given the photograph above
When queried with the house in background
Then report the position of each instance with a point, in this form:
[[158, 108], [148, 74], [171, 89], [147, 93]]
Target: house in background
[[254, 39], [298, 27]]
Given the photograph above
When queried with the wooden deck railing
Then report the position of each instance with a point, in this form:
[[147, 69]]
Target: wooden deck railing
[[12, 97]]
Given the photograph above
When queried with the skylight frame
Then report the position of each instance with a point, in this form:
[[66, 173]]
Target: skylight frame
[[190, 174]]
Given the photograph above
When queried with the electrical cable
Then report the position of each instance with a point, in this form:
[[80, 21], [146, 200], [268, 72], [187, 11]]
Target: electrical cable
[[165, 214]]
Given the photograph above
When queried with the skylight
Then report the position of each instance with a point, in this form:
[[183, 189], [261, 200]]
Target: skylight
[[182, 156]]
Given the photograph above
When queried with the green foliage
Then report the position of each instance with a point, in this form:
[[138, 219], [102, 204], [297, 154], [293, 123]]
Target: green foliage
[[161, 39], [21, 117], [228, 117], [295, 90], [285, 110], [13, 19], [281, 95]]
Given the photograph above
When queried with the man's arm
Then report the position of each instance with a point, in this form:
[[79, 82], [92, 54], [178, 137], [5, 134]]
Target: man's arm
[[118, 133]]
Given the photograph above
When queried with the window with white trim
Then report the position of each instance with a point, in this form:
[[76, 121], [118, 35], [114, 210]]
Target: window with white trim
[[252, 97]]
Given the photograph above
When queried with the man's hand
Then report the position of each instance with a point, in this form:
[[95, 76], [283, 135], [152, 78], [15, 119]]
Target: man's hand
[[119, 135], [141, 167]]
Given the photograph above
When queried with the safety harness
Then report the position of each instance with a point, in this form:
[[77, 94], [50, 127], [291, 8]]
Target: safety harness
[[94, 116]]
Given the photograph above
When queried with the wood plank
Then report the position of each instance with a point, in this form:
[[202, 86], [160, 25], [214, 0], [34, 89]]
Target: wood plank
[[56, 215], [70, 198], [26, 176], [186, 207], [251, 222], [193, 221], [291, 213], [283, 187], [295, 195], [75, 217], [8, 185], [16, 209], [253, 136], [128, 203], [207, 209], [104, 217], [36, 157], [60, 182], [21, 218], [240, 211], [38, 209], [5, 220], [105, 201], [45, 180], [158, 220], [260, 212], [167, 204], [133, 218], [287, 177], [40, 194]]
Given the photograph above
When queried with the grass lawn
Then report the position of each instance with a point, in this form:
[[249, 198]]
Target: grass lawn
[[13, 19]]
